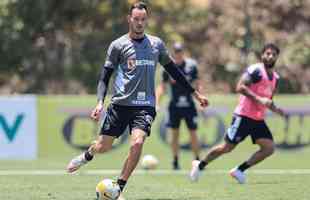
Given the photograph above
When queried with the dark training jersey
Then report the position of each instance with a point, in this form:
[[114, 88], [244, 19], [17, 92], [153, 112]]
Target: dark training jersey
[[180, 97], [134, 63]]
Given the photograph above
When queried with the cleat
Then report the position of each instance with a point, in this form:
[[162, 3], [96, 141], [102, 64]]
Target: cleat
[[195, 172], [238, 175], [76, 163]]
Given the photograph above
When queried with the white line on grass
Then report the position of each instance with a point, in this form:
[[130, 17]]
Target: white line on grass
[[44, 172]]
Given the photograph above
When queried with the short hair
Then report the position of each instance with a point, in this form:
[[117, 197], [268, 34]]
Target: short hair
[[270, 46], [139, 5]]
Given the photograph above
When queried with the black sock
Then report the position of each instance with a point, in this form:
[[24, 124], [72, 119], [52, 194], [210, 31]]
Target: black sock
[[244, 166], [176, 162], [121, 183], [202, 165], [197, 158], [175, 159], [88, 156]]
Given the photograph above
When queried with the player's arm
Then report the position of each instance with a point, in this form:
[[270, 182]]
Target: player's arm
[[103, 83], [161, 89], [243, 88], [104, 78], [197, 84], [274, 107], [179, 77], [102, 88]]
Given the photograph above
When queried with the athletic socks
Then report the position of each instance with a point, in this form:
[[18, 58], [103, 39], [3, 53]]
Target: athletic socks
[[121, 183], [175, 163], [88, 156], [244, 166], [202, 165]]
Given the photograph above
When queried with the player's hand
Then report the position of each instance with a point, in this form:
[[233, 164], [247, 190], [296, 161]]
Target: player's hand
[[203, 101], [265, 101], [278, 110], [95, 115], [281, 112]]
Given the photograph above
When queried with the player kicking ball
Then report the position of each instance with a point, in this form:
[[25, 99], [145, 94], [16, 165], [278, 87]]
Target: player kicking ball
[[133, 58], [257, 87]]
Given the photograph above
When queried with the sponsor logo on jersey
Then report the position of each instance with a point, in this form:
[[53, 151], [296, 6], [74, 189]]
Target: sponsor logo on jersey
[[136, 102], [133, 63]]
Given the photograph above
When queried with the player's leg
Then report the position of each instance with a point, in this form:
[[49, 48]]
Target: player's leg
[[266, 149], [102, 144], [235, 134], [112, 127], [174, 120], [191, 119], [140, 126], [175, 147], [262, 136], [214, 153], [136, 145], [195, 143]]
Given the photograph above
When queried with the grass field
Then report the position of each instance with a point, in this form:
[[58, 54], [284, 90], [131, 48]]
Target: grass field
[[285, 176]]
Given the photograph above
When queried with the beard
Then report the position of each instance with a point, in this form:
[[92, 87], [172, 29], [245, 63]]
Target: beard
[[139, 32], [269, 64]]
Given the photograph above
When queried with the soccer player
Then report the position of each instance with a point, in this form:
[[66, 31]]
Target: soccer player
[[181, 104], [256, 86], [133, 58]]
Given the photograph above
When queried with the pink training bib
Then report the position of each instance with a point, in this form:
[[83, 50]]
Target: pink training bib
[[264, 88]]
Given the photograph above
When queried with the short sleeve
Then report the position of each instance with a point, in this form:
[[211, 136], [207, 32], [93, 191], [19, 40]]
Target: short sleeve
[[112, 58], [254, 73]]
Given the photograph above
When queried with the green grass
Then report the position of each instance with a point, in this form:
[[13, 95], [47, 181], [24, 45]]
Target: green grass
[[54, 154], [169, 187]]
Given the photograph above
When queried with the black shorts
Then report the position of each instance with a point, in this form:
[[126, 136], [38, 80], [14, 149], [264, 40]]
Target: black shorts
[[242, 126], [118, 118], [177, 114]]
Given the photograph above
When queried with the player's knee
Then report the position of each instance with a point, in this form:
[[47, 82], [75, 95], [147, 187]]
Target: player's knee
[[269, 150], [137, 143]]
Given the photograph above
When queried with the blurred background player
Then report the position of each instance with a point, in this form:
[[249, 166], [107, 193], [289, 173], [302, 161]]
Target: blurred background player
[[181, 105], [257, 86], [133, 57]]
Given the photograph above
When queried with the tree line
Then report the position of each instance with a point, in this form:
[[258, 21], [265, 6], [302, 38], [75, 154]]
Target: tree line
[[55, 46]]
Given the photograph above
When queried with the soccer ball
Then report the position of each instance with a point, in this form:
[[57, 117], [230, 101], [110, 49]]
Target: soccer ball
[[149, 162], [107, 189]]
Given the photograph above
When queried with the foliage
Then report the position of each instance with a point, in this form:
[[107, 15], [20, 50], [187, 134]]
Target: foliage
[[55, 46]]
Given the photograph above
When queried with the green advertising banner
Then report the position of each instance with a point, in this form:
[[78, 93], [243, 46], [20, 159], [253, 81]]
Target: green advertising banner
[[65, 129]]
